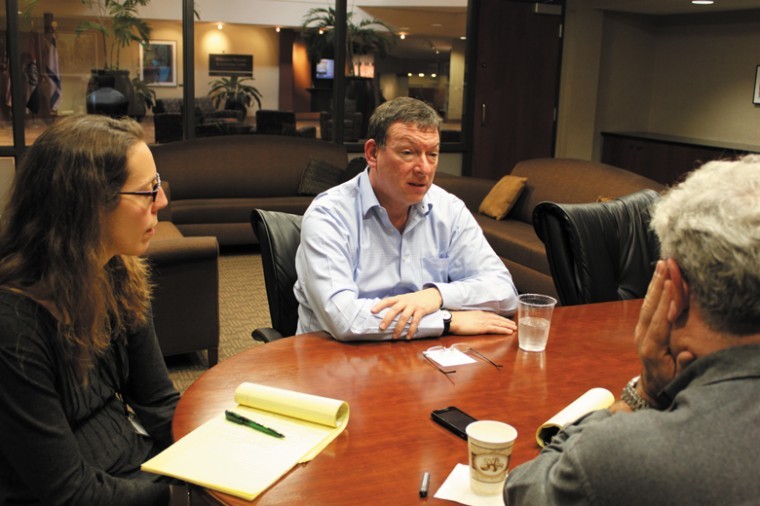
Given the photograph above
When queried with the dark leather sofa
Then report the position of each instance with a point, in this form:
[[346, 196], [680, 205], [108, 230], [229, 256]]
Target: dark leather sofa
[[548, 179], [167, 119], [217, 181], [185, 275]]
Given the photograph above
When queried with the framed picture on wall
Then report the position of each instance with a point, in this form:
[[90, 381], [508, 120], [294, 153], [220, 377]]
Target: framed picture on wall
[[158, 63], [756, 94]]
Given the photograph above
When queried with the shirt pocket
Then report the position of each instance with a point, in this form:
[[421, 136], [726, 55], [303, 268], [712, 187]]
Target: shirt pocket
[[435, 270]]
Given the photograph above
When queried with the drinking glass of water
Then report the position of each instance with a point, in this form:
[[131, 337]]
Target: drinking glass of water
[[534, 317]]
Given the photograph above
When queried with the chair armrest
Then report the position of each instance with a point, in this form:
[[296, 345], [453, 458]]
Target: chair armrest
[[266, 335], [185, 272], [171, 251]]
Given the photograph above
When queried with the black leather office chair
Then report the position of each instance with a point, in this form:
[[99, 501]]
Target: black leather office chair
[[279, 235], [602, 251]]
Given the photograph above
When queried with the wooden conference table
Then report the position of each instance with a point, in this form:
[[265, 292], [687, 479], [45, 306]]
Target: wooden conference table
[[391, 390]]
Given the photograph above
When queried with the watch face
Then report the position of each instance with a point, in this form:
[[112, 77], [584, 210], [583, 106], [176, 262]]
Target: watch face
[[446, 315]]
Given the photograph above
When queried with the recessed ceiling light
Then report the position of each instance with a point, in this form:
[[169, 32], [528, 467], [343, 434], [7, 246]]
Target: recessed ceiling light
[[702, 2]]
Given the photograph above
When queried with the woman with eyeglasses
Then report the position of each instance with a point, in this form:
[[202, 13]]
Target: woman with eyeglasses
[[85, 397]]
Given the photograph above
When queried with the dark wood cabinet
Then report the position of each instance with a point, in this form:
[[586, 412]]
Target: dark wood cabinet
[[664, 158]]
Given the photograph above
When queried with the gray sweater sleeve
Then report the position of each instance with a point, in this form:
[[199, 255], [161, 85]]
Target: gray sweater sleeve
[[556, 476]]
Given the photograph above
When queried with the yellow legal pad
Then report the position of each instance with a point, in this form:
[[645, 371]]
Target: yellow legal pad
[[243, 462]]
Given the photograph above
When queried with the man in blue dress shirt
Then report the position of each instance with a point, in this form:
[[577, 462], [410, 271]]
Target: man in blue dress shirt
[[389, 255]]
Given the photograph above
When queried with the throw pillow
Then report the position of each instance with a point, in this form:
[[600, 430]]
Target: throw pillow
[[355, 167], [318, 176], [502, 197]]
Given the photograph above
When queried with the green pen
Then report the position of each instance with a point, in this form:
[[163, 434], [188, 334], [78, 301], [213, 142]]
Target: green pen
[[241, 420]]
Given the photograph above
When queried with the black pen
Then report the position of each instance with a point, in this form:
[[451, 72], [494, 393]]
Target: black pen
[[241, 420], [424, 484]]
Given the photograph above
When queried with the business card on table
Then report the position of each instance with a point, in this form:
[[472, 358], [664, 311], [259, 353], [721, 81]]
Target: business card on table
[[449, 357]]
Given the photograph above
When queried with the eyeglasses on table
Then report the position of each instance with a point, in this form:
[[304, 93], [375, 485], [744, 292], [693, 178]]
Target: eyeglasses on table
[[461, 347]]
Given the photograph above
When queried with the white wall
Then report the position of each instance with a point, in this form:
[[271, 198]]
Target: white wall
[[704, 77], [261, 42], [690, 76]]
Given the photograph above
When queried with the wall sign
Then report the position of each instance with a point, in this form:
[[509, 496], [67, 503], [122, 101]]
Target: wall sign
[[240, 65]]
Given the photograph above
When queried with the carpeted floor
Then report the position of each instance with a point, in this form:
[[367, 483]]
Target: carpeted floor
[[242, 308]]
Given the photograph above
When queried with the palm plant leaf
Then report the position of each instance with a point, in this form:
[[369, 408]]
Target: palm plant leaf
[[360, 39], [234, 89]]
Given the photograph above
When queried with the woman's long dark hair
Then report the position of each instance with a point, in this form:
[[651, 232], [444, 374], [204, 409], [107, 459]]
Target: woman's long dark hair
[[53, 233]]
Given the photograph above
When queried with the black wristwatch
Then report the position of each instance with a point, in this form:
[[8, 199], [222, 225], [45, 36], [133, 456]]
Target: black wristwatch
[[446, 321]]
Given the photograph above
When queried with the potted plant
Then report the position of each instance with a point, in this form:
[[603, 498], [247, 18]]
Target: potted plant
[[119, 26], [145, 97], [318, 32], [234, 93]]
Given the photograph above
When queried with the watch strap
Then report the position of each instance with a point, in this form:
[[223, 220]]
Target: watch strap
[[446, 322], [631, 396]]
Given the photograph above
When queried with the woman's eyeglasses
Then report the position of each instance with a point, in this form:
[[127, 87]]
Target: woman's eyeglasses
[[151, 193]]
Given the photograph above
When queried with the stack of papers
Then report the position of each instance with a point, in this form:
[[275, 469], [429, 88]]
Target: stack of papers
[[240, 461]]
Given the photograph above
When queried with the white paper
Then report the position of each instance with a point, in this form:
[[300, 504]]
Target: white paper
[[457, 488], [449, 357], [594, 399]]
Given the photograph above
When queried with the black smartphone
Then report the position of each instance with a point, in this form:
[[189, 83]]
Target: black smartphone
[[453, 419]]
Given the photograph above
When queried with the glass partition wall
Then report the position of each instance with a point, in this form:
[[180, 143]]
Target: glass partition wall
[[254, 68]]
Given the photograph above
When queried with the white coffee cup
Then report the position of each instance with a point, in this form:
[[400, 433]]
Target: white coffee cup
[[490, 446]]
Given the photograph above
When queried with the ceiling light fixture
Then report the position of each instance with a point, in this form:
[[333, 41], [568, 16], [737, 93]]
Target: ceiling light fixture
[[702, 2]]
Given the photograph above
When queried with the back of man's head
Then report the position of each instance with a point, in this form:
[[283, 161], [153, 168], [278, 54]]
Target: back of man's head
[[407, 110], [710, 225]]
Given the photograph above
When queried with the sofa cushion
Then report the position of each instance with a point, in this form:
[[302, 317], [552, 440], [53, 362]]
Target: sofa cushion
[[223, 210], [355, 167], [318, 176], [516, 241], [572, 182], [502, 197], [240, 166]]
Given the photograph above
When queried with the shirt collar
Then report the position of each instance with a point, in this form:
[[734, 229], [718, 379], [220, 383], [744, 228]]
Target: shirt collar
[[730, 363]]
